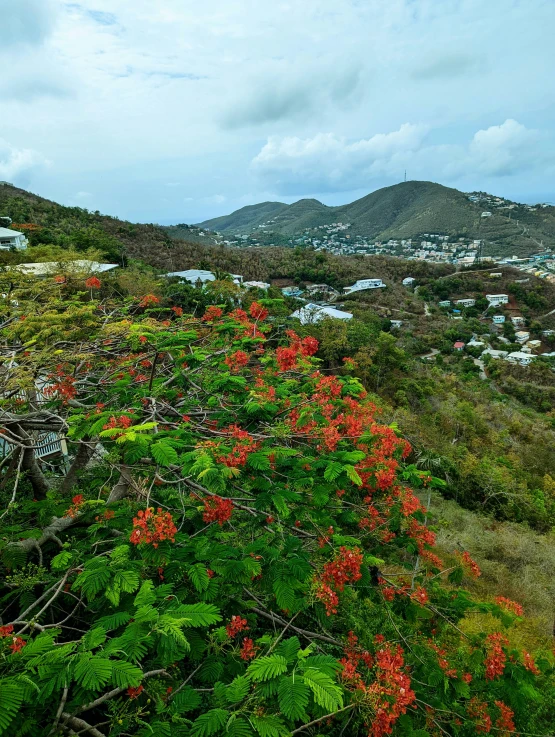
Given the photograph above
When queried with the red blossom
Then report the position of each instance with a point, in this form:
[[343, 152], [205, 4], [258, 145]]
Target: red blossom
[[511, 606], [530, 664], [152, 528], [496, 657], [178, 311], [17, 644], [148, 300], [248, 649], [134, 693], [217, 510], [6, 630], [504, 721], [93, 282], [478, 712], [237, 624], [257, 311], [236, 360], [212, 313], [470, 565]]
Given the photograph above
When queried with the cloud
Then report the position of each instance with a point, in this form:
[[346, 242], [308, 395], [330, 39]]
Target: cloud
[[26, 22], [450, 65], [329, 163], [17, 162], [508, 149], [275, 97]]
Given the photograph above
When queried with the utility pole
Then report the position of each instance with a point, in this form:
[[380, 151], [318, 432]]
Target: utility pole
[[405, 175]]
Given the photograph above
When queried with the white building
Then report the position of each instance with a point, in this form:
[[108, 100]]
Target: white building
[[534, 344], [475, 343], [194, 276], [498, 319], [256, 284], [365, 284], [523, 359], [78, 266], [311, 313], [486, 214], [495, 354], [396, 323], [518, 320], [497, 299], [445, 303], [12, 239], [465, 302], [496, 275], [522, 336], [408, 281]]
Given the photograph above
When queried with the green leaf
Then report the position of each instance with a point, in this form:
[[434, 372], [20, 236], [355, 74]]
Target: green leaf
[[93, 672], [11, 696], [269, 666], [115, 620], [146, 594], [326, 693], [61, 560], [200, 615], [293, 697], [237, 689], [94, 638], [352, 474], [237, 726], [164, 454], [125, 674], [269, 725], [333, 470], [127, 581], [199, 577], [289, 648], [186, 700], [209, 723]]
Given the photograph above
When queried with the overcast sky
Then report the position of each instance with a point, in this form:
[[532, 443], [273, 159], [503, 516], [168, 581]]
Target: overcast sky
[[177, 111]]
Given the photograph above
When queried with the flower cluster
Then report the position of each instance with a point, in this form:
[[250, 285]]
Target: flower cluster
[[470, 565], [217, 510], [134, 693], [93, 282], [77, 502], [351, 662], [149, 300], [511, 606], [287, 356], [152, 528], [478, 711], [212, 313], [257, 311], [248, 649], [392, 690], [17, 643], [530, 664], [236, 361], [343, 569], [504, 721], [64, 387], [244, 445], [237, 624], [496, 658]]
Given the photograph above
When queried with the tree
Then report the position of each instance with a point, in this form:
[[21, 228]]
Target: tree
[[247, 555]]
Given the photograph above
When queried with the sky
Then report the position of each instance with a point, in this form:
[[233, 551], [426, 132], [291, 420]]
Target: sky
[[178, 111]]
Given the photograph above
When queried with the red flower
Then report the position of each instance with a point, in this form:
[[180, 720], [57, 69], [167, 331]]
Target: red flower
[[6, 630], [212, 313], [496, 658], [148, 300], [217, 510], [17, 644], [133, 693], [178, 311], [59, 279], [236, 625], [236, 360], [152, 528], [257, 311], [511, 606], [248, 650], [470, 565], [92, 283]]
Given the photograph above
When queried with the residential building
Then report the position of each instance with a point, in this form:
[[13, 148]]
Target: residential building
[[522, 336], [256, 284], [365, 284], [445, 303], [408, 281], [498, 319], [311, 313], [517, 321], [49, 268], [523, 359], [496, 275], [465, 302], [291, 291], [396, 323], [534, 344], [475, 343], [193, 276], [459, 345], [486, 214], [12, 239], [548, 332], [497, 299], [494, 353]]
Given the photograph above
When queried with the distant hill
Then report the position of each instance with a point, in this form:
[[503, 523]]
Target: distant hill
[[405, 210]]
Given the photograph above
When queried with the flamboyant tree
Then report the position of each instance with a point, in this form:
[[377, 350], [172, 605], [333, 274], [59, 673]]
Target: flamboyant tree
[[234, 544]]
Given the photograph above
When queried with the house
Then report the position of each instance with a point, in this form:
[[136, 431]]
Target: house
[[323, 289], [522, 336], [517, 321], [495, 354], [459, 345], [256, 284], [396, 323], [193, 276], [497, 299], [291, 291], [548, 332], [498, 319], [12, 239], [523, 359], [311, 313], [465, 302], [475, 343], [408, 281], [49, 268], [496, 275], [486, 214], [365, 284], [534, 344], [445, 303]]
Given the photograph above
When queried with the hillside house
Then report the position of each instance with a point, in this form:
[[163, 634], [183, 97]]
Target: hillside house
[[256, 284], [79, 266], [291, 291], [517, 321], [396, 323], [547, 333], [408, 281], [311, 313], [523, 359], [459, 345], [498, 319], [497, 299], [494, 353], [534, 344], [496, 275], [444, 303], [200, 276], [522, 336], [465, 302], [362, 284], [475, 343], [486, 214], [12, 239]]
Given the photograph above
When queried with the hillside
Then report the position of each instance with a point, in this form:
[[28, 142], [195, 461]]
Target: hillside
[[402, 211]]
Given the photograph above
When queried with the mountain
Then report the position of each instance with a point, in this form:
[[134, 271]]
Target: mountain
[[406, 210]]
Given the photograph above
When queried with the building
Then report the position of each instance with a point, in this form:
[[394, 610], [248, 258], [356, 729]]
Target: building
[[256, 284], [497, 299], [498, 319], [494, 354], [311, 313], [12, 239], [475, 343], [459, 345], [465, 302], [408, 281], [291, 291], [396, 323], [445, 303], [193, 276], [523, 359], [517, 321], [486, 214], [522, 336], [49, 268], [547, 333], [365, 284], [534, 344], [496, 275]]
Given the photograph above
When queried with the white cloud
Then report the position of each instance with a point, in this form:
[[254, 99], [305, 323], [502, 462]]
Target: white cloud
[[17, 162], [26, 22]]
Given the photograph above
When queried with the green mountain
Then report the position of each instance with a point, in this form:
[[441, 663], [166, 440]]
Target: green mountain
[[405, 210]]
